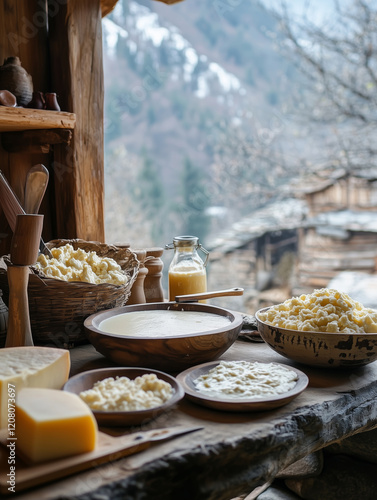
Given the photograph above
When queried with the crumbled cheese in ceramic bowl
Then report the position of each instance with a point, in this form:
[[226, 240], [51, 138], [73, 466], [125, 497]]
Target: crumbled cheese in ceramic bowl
[[123, 394], [324, 310]]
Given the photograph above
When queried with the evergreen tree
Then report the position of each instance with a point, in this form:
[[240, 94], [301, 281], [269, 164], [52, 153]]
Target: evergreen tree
[[195, 201], [150, 194]]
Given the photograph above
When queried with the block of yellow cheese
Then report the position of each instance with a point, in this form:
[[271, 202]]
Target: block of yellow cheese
[[30, 366], [52, 424]]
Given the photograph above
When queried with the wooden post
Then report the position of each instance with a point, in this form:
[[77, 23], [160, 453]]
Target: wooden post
[[75, 39]]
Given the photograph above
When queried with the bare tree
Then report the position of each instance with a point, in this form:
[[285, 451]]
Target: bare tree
[[249, 169], [339, 59]]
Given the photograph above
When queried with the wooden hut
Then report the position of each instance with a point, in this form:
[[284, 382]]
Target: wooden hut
[[340, 233]]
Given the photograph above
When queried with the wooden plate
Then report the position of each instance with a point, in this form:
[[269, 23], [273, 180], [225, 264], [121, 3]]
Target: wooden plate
[[86, 380], [188, 377]]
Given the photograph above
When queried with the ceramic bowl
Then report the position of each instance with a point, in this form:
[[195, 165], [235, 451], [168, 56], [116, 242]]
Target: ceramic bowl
[[85, 380], [331, 350], [220, 402], [171, 353]]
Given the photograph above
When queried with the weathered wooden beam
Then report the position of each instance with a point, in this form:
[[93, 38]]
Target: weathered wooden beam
[[34, 141], [75, 35], [16, 119], [235, 452]]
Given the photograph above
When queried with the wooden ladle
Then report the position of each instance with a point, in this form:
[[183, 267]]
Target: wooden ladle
[[23, 253], [35, 188]]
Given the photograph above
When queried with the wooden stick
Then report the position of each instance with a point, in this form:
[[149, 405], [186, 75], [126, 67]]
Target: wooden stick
[[19, 330]]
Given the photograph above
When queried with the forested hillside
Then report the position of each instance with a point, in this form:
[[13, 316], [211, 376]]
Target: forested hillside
[[198, 98]]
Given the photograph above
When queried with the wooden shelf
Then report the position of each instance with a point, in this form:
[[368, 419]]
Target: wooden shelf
[[19, 119]]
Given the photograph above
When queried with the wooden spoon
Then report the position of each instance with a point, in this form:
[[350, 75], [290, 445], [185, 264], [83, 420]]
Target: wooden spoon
[[194, 297], [35, 188], [23, 253], [12, 208]]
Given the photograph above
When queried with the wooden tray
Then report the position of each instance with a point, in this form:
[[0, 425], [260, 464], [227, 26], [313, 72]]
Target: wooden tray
[[109, 448]]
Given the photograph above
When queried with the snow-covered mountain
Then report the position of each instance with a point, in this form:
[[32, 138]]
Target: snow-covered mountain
[[178, 77]]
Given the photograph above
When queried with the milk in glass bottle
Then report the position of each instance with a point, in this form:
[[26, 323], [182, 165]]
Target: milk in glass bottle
[[187, 271]]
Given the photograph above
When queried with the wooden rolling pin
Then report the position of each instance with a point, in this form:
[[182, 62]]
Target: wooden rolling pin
[[23, 253]]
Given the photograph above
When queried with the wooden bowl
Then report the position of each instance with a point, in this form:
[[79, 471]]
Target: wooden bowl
[[170, 353], [330, 350], [86, 380]]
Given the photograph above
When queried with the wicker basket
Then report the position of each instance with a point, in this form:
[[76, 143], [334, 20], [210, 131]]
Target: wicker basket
[[59, 308]]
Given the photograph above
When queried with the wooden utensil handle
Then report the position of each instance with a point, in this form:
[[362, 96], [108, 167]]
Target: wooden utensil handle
[[194, 297], [9, 201], [19, 330]]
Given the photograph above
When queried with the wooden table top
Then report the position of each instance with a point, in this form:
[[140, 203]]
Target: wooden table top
[[234, 452]]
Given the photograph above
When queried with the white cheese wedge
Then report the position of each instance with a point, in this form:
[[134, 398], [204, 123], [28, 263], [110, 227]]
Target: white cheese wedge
[[30, 366], [52, 424]]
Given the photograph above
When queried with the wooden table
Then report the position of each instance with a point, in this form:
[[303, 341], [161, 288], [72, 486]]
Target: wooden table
[[234, 452]]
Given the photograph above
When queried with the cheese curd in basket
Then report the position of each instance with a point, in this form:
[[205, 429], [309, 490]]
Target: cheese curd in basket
[[124, 394], [246, 380], [324, 310], [69, 264]]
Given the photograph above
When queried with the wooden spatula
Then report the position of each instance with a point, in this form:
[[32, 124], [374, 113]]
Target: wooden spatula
[[35, 188]]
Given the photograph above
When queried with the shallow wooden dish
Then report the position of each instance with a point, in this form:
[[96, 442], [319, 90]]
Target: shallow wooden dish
[[187, 380], [169, 353], [330, 350], [86, 380]]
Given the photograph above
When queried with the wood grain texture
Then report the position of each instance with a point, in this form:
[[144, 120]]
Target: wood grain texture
[[23, 33], [76, 32], [19, 330], [18, 119], [14, 142], [26, 238], [236, 452], [108, 449]]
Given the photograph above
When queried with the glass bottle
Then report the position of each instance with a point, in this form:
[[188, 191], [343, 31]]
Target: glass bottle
[[187, 271]]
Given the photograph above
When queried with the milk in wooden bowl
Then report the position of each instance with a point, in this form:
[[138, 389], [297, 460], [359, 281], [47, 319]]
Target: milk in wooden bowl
[[325, 328], [169, 336]]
